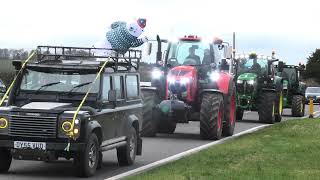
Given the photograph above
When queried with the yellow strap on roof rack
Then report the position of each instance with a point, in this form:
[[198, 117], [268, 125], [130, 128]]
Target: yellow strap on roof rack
[[15, 78], [71, 134]]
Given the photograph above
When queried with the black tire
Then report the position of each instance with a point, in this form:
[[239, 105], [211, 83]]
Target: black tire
[[298, 106], [211, 116], [127, 154], [86, 161], [5, 160], [239, 114], [267, 107], [167, 126], [150, 113], [279, 106], [230, 111]]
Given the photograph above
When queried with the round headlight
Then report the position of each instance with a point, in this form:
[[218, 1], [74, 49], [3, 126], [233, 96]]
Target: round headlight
[[76, 131], [66, 126], [3, 123]]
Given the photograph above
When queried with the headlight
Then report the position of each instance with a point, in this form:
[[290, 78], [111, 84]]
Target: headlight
[[66, 126], [3, 123], [184, 80], [171, 80], [239, 81], [251, 82], [156, 74], [214, 76]]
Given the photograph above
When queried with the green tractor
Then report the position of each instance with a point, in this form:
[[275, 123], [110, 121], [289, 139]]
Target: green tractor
[[258, 87], [293, 89]]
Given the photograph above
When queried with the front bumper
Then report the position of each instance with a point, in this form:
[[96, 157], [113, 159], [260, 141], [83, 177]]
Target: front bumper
[[52, 152], [50, 146]]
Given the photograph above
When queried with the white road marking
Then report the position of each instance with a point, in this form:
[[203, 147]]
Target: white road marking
[[182, 154]]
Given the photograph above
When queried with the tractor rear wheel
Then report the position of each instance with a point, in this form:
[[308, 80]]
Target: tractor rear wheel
[[211, 116], [150, 113], [239, 114], [230, 111], [297, 106], [267, 106]]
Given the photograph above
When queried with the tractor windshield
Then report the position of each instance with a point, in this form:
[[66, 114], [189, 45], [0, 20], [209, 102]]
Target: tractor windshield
[[58, 81], [289, 74], [258, 66], [192, 53]]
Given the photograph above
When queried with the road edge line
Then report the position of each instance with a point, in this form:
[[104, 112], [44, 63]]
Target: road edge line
[[183, 154]]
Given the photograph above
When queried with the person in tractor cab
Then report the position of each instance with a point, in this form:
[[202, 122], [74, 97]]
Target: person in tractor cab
[[207, 59], [256, 66], [192, 57]]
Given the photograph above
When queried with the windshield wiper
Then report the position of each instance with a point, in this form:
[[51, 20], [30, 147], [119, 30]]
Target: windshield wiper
[[46, 85], [41, 87], [77, 87]]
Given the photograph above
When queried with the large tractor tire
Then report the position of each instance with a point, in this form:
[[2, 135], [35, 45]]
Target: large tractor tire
[[267, 107], [211, 116], [279, 106], [150, 113], [230, 111], [167, 126], [239, 114], [297, 106]]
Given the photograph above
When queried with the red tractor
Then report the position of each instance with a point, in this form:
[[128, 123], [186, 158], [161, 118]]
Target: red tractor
[[189, 85]]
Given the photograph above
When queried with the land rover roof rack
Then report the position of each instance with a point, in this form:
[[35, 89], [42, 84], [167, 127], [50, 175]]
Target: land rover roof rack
[[77, 55]]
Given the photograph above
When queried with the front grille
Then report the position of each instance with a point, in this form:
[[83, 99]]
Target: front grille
[[245, 88], [33, 126]]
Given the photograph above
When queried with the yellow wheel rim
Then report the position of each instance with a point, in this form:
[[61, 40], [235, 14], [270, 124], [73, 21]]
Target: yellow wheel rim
[[301, 109], [272, 109], [280, 104]]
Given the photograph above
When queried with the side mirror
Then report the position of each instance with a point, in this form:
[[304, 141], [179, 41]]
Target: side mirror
[[148, 49], [17, 64], [280, 66], [112, 96], [228, 52]]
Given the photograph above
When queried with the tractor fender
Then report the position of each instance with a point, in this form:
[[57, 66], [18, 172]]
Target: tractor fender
[[223, 82], [210, 91], [269, 89]]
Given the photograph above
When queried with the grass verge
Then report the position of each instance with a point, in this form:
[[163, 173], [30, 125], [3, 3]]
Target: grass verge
[[288, 150]]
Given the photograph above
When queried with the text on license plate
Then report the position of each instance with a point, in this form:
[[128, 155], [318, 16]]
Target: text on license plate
[[29, 145]]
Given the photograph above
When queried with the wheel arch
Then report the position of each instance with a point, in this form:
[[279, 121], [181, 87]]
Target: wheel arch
[[94, 127]]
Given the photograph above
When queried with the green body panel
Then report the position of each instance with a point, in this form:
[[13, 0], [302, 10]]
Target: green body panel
[[246, 96]]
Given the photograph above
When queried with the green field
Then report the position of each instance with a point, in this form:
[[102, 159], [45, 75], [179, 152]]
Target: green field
[[288, 150]]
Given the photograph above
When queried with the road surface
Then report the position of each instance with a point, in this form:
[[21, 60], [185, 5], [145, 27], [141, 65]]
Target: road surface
[[186, 137]]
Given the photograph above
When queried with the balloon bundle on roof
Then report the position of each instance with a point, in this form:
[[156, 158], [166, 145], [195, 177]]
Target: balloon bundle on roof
[[123, 36]]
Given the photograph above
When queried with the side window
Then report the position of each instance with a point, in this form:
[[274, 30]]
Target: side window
[[118, 86], [132, 86], [106, 87]]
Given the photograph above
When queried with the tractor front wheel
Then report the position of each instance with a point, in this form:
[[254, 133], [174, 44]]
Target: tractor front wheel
[[211, 116], [150, 113], [267, 107], [297, 106]]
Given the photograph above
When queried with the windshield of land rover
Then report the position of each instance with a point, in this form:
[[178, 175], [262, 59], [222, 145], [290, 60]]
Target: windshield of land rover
[[58, 82]]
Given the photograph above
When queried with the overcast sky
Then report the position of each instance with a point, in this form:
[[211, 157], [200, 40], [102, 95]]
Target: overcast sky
[[290, 27]]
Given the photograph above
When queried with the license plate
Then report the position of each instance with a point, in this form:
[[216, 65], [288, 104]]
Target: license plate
[[29, 145]]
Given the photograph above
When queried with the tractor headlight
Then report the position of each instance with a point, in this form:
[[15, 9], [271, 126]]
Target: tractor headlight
[[171, 80], [239, 81], [156, 74], [184, 81], [3, 123], [214, 76], [251, 82]]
